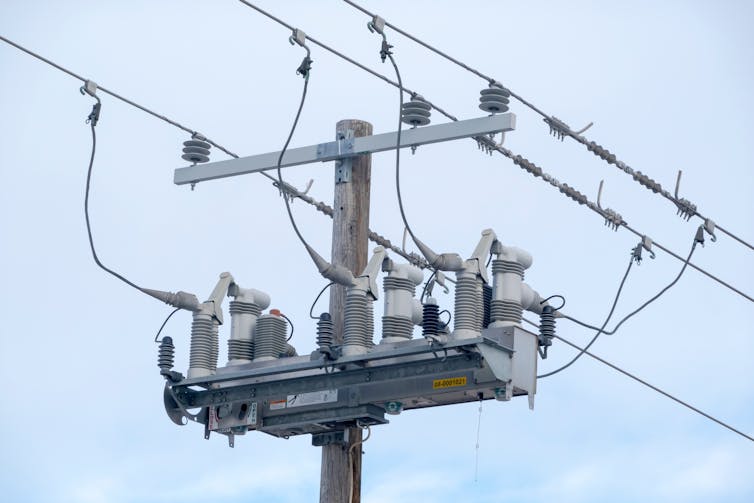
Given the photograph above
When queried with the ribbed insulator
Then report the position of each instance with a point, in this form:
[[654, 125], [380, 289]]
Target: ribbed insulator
[[397, 326], [392, 283], [166, 354], [196, 151], [430, 319], [204, 344], [469, 304], [494, 100], [547, 326], [487, 296], [324, 332], [238, 307], [500, 266], [506, 310], [269, 337], [370, 323], [240, 349], [356, 324], [416, 112]]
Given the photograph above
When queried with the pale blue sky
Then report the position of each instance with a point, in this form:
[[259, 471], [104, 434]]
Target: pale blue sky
[[668, 86]]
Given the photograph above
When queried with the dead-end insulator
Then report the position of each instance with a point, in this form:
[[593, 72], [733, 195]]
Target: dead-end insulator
[[416, 112], [196, 150], [494, 100]]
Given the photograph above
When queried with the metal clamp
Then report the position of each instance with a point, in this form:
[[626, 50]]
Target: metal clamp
[[613, 219]]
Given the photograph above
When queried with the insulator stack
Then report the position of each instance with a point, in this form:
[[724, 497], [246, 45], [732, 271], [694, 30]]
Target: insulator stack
[[506, 310], [204, 346], [356, 336], [324, 333], [469, 304], [430, 318], [494, 100], [416, 112], [269, 337], [370, 323], [487, 296], [546, 328], [196, 150], [166, 355], [243, 318], [398, 322]]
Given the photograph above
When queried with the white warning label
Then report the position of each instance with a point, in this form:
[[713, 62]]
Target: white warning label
[[313, 398]]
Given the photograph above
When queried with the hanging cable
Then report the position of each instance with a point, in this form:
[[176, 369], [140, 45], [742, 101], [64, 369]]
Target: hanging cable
[[600, 331], [561, 129], [698, 239], [311, 309], [92, 121]]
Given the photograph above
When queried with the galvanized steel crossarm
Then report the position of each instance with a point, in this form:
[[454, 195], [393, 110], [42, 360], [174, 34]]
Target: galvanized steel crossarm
[[345, 148]]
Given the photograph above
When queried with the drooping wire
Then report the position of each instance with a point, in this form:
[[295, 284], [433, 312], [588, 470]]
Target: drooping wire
[[517, 159], [564, 130], [290, 323], [698, 238], [305, 74], [165, 323], [92, 120], [311, 309], [655, 388], [602, 328]]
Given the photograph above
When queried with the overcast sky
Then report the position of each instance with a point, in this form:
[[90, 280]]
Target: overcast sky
[[668, 86]]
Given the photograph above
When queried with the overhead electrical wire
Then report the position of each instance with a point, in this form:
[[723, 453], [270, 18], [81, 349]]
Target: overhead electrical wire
[[698, 239], [517, 159], [685, 207], [647, 384], [285, 188], [601, 329]]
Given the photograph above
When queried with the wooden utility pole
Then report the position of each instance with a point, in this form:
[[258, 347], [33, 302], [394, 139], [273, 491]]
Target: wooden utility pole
[[340, 480]]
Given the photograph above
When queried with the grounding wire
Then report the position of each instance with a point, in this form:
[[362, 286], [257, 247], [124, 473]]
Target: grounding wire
[[517, 159], [645, 383], [593, 147], [655, 388], [601, 329]]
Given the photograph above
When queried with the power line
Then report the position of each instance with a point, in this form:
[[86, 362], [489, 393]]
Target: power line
[[655, 388], [685, 207], [284, 187], [645, 383], [517, 159]]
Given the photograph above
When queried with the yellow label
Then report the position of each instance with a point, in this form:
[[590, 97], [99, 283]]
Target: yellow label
[[450, 382]]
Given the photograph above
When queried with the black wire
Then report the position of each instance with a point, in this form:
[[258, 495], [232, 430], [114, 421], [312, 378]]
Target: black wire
[[166, 322], [311, 309], [655, 388], [86, 213], [290, 323], [661, 292], [424, 290], [601, 330], [282, 153]]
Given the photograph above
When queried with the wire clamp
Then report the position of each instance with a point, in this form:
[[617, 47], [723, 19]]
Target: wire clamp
[[558, 128], [645, 244], [699, 238], [709, 227], [298, 37], [90, 88], [686, 209], [377, 24]]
